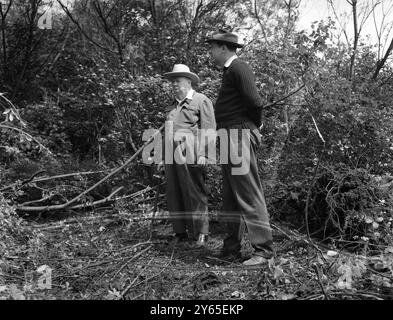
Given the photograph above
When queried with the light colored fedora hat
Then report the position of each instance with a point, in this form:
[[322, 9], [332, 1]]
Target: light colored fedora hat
[[181, 70]]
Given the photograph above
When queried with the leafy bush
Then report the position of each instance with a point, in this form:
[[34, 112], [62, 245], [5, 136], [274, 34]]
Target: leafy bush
[[344, 204], [15, 234], [47, 121]]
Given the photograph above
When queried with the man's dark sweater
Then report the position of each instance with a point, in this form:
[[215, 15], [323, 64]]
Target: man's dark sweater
[[238, 99]]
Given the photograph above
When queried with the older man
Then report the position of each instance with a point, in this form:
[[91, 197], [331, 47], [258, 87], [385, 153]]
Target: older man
[[238, 110], [189, 114]]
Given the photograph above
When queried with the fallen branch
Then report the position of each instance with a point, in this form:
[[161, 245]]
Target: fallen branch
[[95, 203], [69, 175], [24, 182], [112, 173], [51, 178], [32, 177], [98, 202]]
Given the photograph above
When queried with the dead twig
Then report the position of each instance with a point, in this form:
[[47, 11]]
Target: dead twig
[[163, 269], [129, 260], [132, 282], [379, 273], [52, 178], [319, 278], [357, 294], [149, 199], [67, 175], [98, 202], [306, 211]]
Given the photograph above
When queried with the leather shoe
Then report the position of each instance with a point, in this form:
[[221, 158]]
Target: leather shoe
[[229, 256], [255, 261], [202, 240]]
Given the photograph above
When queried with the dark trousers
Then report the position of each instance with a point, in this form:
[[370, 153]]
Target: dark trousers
[[187, 198], [243, 199]]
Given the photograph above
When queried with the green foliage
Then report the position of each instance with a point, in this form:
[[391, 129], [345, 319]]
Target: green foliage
[[15, 234]]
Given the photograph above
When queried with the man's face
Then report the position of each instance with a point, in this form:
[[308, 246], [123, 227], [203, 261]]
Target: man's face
[[216, 53], [180, 86]]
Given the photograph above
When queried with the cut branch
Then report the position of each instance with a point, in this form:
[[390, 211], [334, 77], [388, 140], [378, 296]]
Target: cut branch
[[72, 201], [284, 98], [106, 200], [52, 178]]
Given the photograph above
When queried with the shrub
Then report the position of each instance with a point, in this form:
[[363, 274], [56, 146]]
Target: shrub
[[345, 204]]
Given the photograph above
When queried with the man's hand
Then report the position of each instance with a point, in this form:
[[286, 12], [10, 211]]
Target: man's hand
[[203, 161], [161, 167]]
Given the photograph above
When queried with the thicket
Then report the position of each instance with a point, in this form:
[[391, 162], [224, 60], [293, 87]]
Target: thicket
[[77, 98]]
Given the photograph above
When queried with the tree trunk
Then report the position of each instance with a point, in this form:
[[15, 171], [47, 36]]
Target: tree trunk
[[382, 62]]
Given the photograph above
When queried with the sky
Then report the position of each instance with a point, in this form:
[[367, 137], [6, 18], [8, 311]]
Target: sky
[[314, 10]]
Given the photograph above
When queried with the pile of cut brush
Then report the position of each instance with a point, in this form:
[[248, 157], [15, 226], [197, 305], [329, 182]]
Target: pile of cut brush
[[128, 254]]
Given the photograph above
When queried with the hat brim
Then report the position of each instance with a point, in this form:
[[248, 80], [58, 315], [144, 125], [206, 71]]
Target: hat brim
[[235, 44], [192, 76]]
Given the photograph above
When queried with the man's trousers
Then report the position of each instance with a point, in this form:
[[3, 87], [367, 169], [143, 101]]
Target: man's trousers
[[187, 198], [243, 198]]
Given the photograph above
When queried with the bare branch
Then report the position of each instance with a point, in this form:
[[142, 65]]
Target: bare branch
[[330, 2], [107, 29], [256, 12], [65, 9], [367, 15]]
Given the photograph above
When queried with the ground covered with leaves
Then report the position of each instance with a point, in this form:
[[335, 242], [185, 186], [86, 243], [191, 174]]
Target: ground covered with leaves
[[121, 254]]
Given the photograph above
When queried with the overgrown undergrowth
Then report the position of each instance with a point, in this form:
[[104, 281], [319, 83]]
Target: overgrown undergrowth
[[121, 255]]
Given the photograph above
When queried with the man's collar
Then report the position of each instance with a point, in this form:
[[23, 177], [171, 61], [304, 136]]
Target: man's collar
[[229, 61], [189, 96]]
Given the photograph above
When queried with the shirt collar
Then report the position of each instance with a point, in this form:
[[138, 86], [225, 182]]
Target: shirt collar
[[229, 61], [189, 95]]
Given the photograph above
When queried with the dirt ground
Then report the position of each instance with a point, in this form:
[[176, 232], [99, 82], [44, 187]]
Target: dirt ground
[[103, 256]]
